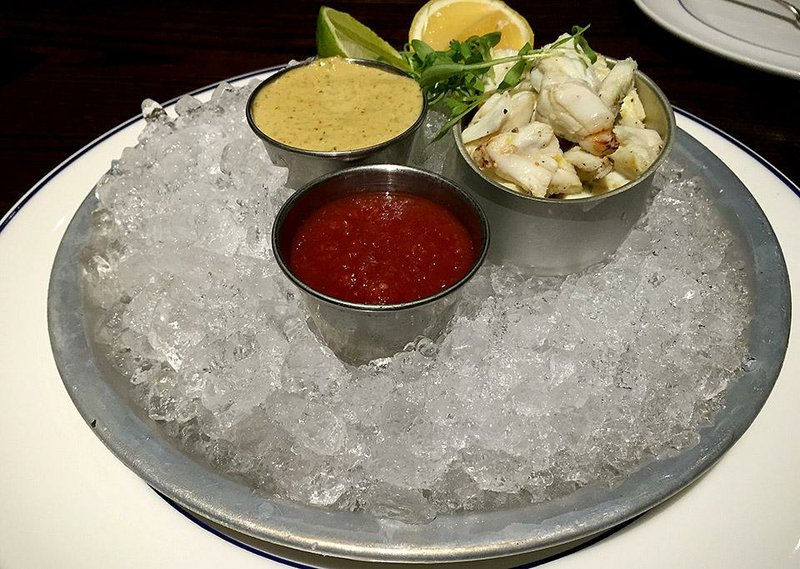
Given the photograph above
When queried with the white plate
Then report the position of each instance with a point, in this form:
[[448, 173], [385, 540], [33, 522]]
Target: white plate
[[758, 33], [66, 501]]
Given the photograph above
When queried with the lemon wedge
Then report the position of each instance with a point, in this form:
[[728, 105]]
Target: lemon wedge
[[439, 21]]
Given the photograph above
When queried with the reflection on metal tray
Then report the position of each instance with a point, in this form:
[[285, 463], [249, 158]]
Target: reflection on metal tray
[[141, 445]]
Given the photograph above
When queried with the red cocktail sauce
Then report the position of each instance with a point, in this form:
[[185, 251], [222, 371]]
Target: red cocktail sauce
[[381, 248]]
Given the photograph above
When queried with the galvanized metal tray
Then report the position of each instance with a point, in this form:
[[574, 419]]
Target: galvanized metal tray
[[100, 396]]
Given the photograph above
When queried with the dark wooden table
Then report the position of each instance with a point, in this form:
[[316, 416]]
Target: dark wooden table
[[74, 70]]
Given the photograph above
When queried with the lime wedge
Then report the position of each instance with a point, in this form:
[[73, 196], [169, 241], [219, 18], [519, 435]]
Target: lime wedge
[[339, 33]]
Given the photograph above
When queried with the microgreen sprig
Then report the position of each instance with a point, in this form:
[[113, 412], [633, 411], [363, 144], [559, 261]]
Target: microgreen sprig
[[457, 76]]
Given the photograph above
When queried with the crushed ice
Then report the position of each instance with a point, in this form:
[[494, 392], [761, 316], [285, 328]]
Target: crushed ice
[[543, 385]]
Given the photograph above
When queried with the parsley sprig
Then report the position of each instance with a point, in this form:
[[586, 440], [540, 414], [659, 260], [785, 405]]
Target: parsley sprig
[[457, 76]]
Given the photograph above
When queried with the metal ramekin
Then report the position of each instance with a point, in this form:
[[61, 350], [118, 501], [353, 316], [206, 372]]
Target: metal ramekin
[[358, 333], [305, 165], [563, 236]]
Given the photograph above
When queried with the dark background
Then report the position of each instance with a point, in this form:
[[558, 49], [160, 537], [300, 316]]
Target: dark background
[[75, 70]]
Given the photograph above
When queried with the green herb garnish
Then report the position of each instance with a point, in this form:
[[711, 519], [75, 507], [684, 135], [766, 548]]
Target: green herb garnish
[[456, 76], [582, 44]]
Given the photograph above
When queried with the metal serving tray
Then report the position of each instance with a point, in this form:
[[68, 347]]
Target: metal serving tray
[[139, 442]]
